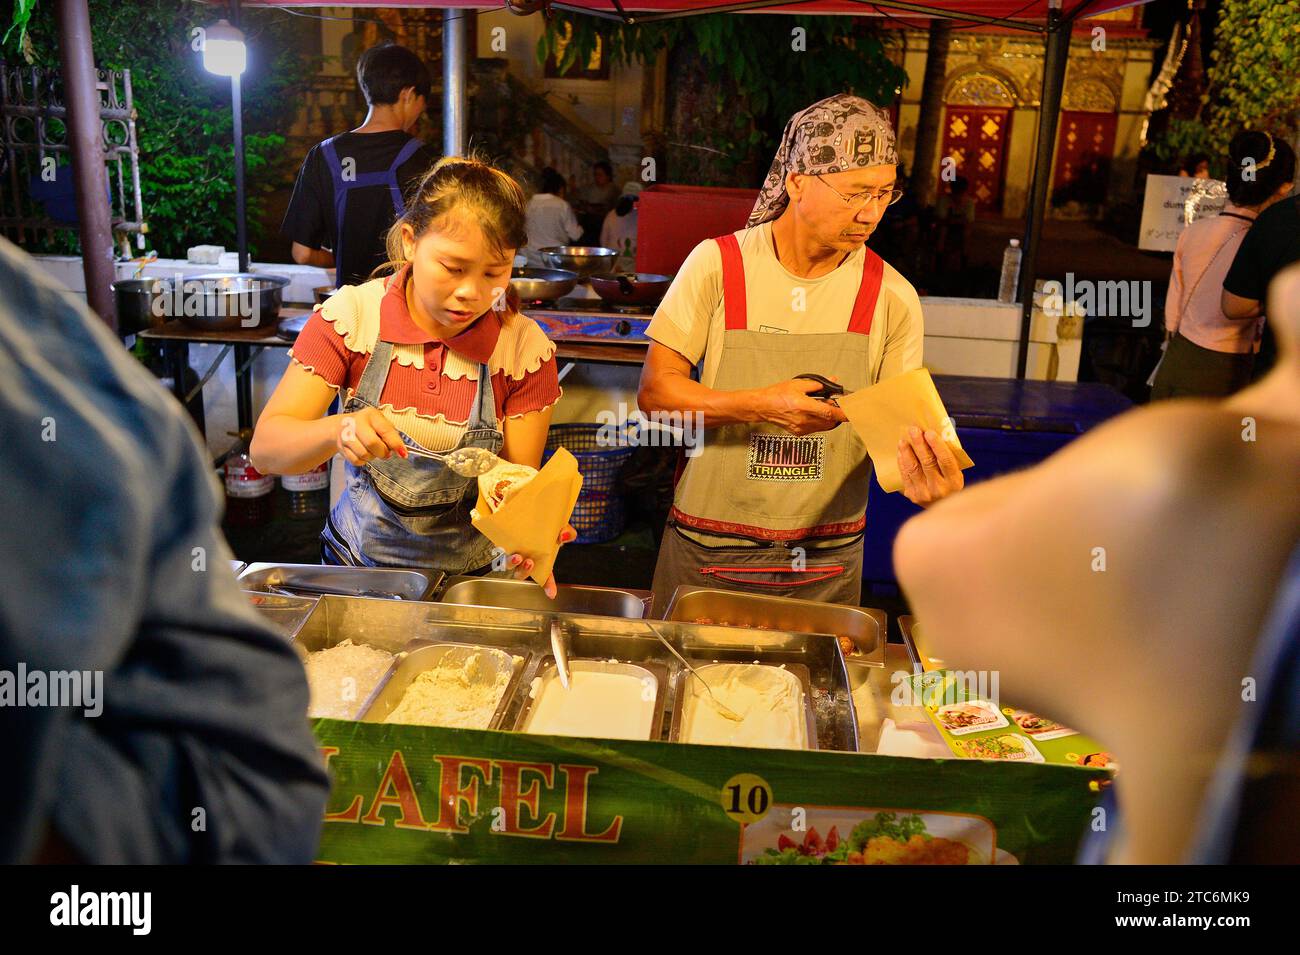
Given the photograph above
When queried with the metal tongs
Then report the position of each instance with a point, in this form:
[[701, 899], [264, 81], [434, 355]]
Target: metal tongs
[[467, 462], [561, 652], [721, 707]]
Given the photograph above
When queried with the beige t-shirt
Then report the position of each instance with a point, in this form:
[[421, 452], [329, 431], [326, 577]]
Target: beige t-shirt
[[691, 318]]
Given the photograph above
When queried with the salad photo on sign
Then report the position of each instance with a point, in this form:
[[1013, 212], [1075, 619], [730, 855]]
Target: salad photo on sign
[[823, 835]]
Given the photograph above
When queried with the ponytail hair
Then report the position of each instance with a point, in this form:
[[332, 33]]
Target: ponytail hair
[[457, 185], [1270, 159]]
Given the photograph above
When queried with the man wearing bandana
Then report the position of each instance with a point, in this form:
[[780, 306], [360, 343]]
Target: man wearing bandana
[[775, 501]]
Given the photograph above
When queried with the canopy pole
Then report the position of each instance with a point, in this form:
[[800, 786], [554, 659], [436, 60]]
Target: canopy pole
[[455, 102], [241, 189], [85, 137], [1054, 60]]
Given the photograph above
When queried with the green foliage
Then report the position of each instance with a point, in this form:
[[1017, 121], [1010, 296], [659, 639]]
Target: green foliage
[[1253, 82], [763, 78], [184, 126], [1254, 75], [1185, 137]]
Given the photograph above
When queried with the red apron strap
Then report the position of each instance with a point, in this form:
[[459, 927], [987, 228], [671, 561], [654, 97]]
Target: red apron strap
[[733, 283], [864, 307]]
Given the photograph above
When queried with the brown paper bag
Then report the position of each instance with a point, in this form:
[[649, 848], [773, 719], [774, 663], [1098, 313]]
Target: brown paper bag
[[882, 414], [530, 522]]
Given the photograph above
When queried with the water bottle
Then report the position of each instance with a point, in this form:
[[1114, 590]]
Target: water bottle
[[309, 494], [248, 493], [1010, 283]]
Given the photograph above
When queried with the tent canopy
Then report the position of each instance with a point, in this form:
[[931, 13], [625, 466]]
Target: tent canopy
[[1054, 19], [1019, 14]]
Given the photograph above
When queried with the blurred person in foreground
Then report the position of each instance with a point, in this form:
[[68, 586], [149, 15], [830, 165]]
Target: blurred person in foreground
[[1143, 586], [195, 747]]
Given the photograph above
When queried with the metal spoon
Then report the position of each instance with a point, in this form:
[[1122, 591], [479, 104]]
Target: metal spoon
[[721, 707], [560, 652], [467, 462]]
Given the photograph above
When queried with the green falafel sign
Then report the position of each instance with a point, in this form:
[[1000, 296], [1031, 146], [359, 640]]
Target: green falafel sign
[[415, 794]]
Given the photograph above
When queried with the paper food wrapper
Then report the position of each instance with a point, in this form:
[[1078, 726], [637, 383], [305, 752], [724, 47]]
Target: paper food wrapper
[[530, 522], [882, 414]]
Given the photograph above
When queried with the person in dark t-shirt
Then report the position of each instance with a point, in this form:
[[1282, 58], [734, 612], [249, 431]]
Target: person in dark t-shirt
[[1272, 244], [352, 186]]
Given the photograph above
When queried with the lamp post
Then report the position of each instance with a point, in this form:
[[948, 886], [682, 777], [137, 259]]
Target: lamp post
[[225, 54]]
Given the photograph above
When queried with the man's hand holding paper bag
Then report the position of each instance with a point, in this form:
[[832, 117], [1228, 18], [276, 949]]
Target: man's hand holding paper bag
[[909, 436], [526, 513]]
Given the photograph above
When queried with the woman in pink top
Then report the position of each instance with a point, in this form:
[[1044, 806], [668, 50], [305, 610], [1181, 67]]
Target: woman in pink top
[[1207, 354]]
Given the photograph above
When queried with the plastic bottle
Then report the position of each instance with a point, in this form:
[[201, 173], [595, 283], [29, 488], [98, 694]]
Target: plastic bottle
[[248, 493], [1010, 283], [309, 493]]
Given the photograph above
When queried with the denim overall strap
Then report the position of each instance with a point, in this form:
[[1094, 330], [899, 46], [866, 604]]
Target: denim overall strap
[[342, 186]]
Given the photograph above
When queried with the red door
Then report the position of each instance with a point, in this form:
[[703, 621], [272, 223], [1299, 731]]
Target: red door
[[1084, 145], [975, 137]]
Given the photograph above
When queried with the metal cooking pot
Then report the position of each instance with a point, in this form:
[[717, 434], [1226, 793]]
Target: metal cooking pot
[[323, 292], [290, 328], [228, 302], [583, 259], [135, 304], [631, 288], [542, 285]]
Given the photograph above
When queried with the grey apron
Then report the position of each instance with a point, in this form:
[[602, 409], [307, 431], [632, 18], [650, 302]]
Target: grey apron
[[760, 483]]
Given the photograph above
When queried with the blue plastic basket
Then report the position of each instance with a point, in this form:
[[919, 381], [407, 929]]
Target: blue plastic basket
[[599, 514]]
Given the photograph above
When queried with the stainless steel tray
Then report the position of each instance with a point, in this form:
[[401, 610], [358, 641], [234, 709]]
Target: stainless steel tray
[[642, 670], [420, 658], [867, 627], [320, 579], [869, 720], [526, 595], [914, 640], [403, 625], [286, 614], [799, 671], [318, 639]]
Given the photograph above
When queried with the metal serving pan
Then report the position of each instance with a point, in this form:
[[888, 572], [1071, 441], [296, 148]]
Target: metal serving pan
[[869, 719], [526, 595], [313, 639], [642, 671], [867, 627], [914, 640], [420, 658], [800, 672], [286, 614], [318, 579], [404, 625]]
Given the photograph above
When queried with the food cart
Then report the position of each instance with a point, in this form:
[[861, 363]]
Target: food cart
[[640, 775]]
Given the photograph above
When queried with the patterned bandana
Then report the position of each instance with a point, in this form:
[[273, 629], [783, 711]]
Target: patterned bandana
[[839, 133]]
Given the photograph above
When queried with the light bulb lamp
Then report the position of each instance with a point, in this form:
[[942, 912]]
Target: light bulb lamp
[[225, 54]]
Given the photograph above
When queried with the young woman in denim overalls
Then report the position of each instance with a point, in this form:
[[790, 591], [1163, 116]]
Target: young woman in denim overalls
[[453, 248]]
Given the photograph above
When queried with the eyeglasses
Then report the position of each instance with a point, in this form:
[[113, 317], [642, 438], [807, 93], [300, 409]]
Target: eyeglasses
[[859, 200]]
